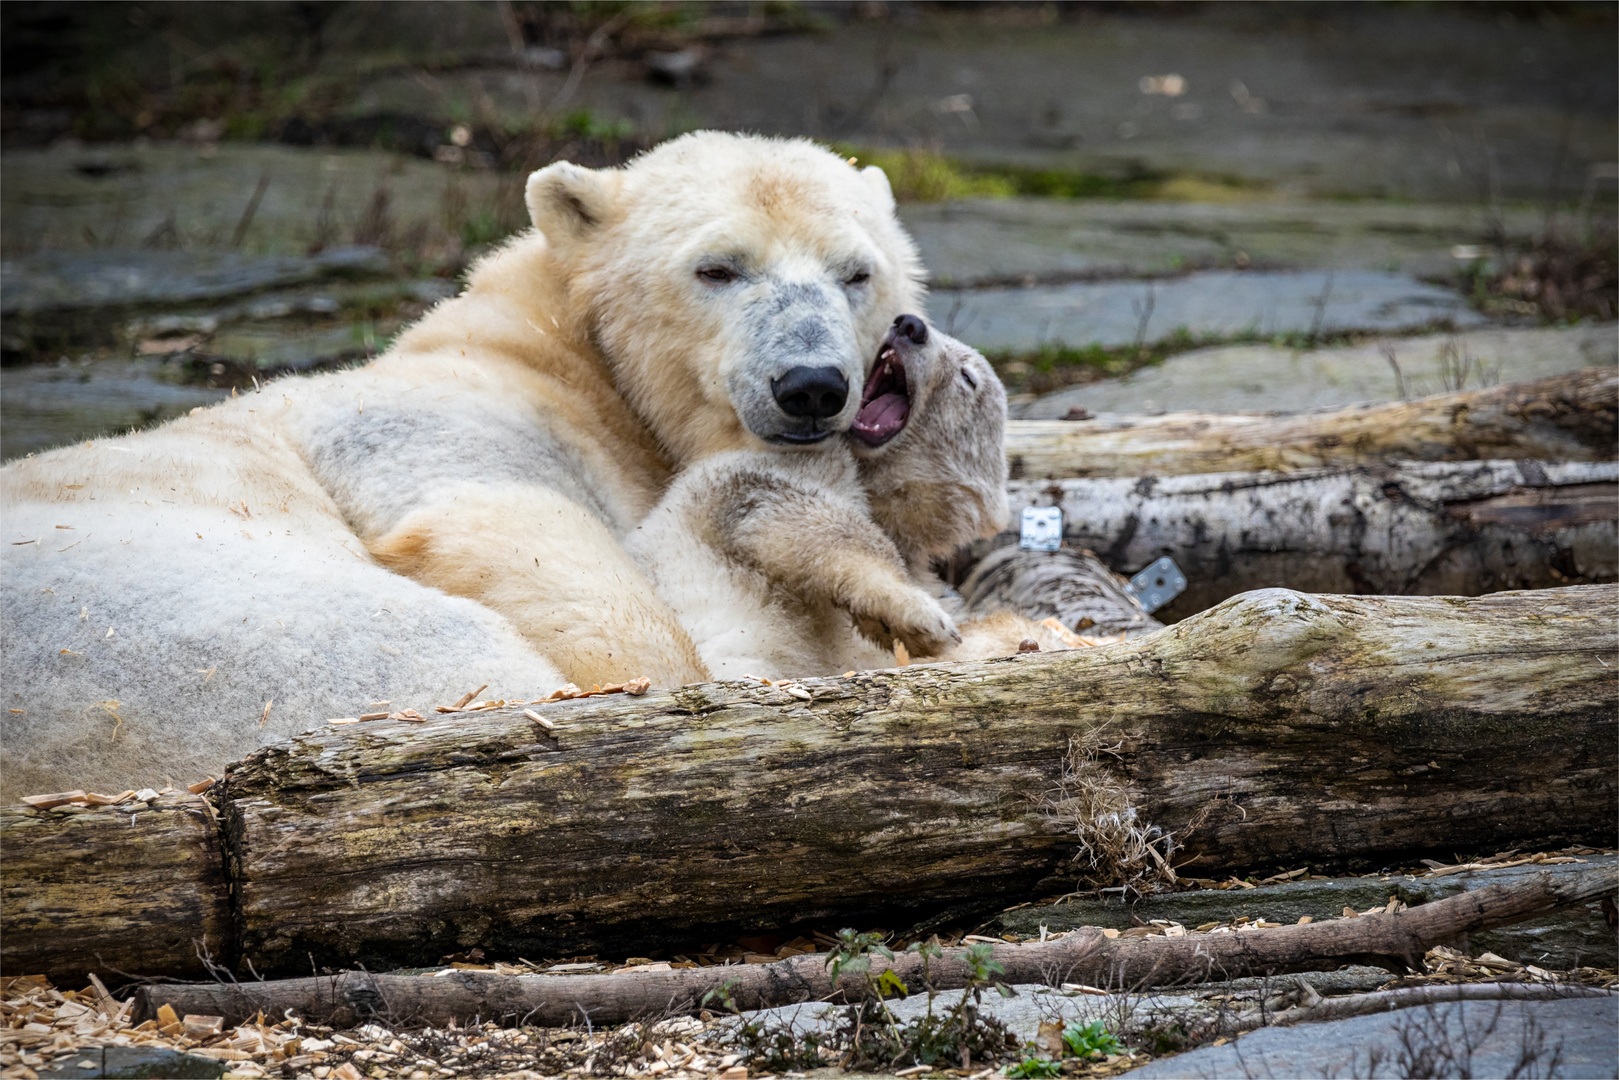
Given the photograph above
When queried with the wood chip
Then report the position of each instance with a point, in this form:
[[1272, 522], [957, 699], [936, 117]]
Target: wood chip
[[540, 720], [339, 721], [465, 698], [94, 799], [637, 687], [199, 1026], [201, 786], [109, 1005], [1081, 988], [410, 716], [383, 715], [60, 798]]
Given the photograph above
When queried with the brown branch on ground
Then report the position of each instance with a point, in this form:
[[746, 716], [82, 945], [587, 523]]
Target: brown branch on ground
[[1395, 940]]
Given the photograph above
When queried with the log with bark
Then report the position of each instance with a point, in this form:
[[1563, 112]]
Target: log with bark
[[1565, 417], [1071, 586], [135, 888], [1396, 941], [1404, 528], [1290, 728]]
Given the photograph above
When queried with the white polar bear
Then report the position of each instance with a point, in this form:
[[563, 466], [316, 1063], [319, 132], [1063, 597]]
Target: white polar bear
[[451, 514], [778, 566]]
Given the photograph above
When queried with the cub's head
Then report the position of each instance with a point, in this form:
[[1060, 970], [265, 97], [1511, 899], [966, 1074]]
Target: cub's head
[[736, 284], [929, 437]]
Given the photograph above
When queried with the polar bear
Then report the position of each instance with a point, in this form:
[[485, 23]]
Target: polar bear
[[794, 566], [452, 513]]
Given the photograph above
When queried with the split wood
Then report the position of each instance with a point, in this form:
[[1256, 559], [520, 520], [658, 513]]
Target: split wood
[[1396, 941]]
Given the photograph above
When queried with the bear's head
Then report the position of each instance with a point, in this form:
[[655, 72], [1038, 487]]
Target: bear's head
[[929, 439], [738, 285]]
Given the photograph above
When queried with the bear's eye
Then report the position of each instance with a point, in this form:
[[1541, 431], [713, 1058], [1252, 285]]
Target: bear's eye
[[859, 277], [718, 275], [967, 377]]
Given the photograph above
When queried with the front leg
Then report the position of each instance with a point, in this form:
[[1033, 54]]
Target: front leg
[[555, 571], [828, 550]]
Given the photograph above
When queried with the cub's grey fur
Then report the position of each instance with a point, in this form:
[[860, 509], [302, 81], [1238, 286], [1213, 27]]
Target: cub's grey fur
[[808, 564]]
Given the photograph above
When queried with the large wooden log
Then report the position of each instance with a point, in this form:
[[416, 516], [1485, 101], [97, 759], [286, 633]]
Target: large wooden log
[[136, 888], [1293, 728], [1341, 727], [1572, 417], [1394, 940], [1403, 528]]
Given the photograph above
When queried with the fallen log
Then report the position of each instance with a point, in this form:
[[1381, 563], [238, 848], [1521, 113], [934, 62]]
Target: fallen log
[[1073, 587], [1394, 940], [1562, 418], [1404, 528], [1275, 729], [134, 888]]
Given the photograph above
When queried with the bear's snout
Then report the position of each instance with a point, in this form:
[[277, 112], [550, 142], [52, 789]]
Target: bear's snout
[[913, 328], [813, 392]]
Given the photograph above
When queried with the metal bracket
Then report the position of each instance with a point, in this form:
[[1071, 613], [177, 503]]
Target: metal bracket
[[1042, 528], [1157, 585]]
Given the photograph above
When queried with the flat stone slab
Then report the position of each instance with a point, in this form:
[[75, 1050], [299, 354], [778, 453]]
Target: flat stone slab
[[133, 1063], [1220, 303], [1021, 1014], [1472, 1038], [1561, 940], [1264, 378], [1003, 241], [80, 280], [196, 198], [42, 406]]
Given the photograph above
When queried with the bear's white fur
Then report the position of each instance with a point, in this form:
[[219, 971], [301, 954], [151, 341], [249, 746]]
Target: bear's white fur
[[777, 565], [452, 513]]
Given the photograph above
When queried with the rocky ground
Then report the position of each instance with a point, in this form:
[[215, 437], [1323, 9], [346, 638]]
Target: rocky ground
[[252, 194]]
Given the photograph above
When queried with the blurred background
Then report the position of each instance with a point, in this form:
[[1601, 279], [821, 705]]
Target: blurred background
[[1129, 207]]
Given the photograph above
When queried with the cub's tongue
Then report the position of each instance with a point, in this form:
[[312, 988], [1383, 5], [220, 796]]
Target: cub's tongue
[[881, 418]]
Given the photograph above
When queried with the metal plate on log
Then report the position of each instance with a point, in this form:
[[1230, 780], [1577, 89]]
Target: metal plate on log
[[1158, 584], [1042, 528]]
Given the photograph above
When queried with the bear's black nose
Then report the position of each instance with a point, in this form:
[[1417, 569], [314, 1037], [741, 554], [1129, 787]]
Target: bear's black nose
[[913, 328], [815, 392]]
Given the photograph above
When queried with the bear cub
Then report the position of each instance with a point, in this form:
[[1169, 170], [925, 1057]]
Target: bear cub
[[817, 562]]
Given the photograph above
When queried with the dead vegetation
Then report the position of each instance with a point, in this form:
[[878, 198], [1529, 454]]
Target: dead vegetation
[[1561, 277], [1118, 851]]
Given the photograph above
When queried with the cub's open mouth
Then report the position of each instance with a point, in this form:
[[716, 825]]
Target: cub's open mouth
[[885, 404]]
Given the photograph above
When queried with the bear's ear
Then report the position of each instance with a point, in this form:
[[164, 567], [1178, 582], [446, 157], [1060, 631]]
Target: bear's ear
[[879, 183], [566, 202]]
